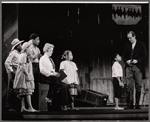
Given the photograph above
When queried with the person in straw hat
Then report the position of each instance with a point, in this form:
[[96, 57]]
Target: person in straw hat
[[24, 81], [11, 64]]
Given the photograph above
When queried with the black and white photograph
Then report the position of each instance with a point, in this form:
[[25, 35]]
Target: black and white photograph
[[82, 61]]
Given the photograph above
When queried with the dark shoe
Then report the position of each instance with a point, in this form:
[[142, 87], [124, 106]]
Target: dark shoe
[[138, 94], [129, 107], [137, 107]]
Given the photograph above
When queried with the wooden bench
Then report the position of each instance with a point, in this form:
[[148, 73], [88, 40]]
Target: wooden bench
[[42, 94]]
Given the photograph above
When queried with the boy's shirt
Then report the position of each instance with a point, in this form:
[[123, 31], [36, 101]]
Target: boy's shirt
[[117, 70]]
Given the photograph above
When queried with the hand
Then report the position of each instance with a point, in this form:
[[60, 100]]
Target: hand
[[128, 61], [25, 71], [56, 74], [121, 84], [39, 56], [122, 79], [134, 61]]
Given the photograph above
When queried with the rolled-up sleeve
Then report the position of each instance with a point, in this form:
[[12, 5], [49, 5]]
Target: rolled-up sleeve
[[8, 62], [117, 70], [45, 68]]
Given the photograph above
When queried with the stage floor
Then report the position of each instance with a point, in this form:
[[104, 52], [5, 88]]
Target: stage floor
[[85, 113]]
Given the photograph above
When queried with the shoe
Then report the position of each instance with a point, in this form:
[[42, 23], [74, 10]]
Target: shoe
[[118, 108], [137, 107], [129, 107]]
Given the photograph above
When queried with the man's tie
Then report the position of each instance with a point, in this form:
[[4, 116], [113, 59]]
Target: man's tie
[[52, 63]]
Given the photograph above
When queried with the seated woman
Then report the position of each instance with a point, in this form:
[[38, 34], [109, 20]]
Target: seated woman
[[47, 69]]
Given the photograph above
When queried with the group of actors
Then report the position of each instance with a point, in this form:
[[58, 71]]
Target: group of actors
[[25, 65], [25, 62]]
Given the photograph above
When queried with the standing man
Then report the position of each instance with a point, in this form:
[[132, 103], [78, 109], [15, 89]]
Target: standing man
[[35, 52], [11, 64], [134, 56], [35, 56]]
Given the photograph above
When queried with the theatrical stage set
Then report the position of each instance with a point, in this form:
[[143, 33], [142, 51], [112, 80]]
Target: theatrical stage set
[[92, 32]]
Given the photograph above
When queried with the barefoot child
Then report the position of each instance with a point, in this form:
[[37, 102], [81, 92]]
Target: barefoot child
[[70, 69], [117, 75]]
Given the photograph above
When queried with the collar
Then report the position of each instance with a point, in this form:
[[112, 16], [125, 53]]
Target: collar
[[134, 42], [16, 51], [46, 55]]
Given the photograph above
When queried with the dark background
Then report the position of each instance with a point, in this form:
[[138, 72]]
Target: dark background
[[92, 43], [86, 38]]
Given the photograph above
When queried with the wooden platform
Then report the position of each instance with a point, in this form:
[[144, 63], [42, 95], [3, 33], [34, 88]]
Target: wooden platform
[[85, 113]]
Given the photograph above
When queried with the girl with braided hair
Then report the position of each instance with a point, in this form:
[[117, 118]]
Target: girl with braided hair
[[70, 68]]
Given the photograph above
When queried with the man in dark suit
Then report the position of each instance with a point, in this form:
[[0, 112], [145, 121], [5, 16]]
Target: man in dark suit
[[134, 56]]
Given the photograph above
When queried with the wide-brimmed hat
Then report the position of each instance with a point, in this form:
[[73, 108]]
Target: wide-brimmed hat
[[25, 45], [15, 42]]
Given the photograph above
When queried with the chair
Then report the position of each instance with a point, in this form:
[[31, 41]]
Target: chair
[[42, 94], [145, 90], [44, 88], [54, 90]]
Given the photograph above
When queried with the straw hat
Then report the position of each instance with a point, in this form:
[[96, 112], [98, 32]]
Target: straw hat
[[25, 46], [15, 42]]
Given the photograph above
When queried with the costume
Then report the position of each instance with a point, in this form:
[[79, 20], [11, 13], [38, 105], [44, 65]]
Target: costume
[[11, 65], [134, 72], [34, 58], [35, 52], [47, 69], [70, 69], [24, 82], [11, 62], [117, 72]]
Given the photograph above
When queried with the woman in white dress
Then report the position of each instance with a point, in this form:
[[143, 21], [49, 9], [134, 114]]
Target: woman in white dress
[[24, 81]]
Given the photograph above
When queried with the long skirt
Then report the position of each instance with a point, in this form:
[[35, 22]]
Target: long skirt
[[62, 97]]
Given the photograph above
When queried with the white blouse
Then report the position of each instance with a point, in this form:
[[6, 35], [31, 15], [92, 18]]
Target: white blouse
[[45, 66], [117, 70], [70, 69]]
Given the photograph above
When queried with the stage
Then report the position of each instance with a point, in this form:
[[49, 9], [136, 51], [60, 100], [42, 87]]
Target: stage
[[84, 113]]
